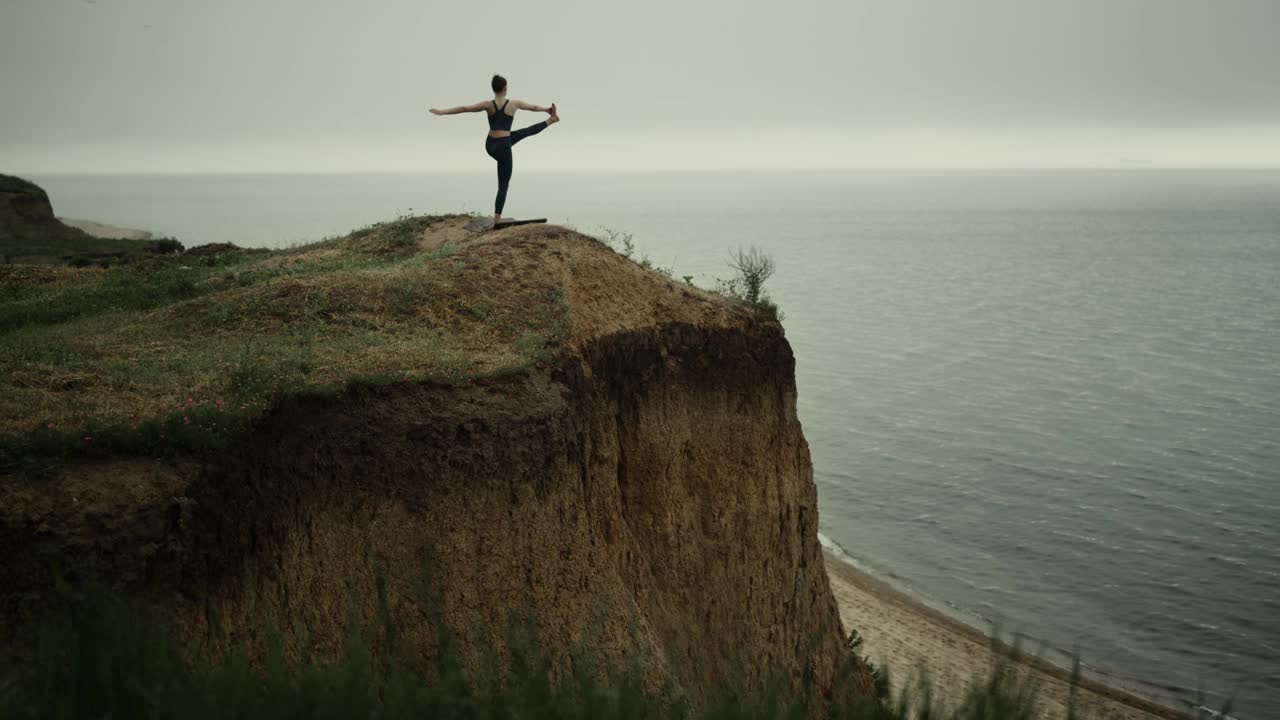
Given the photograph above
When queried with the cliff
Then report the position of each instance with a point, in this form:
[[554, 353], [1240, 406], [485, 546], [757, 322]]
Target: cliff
[[30, 233], [25, 211], [525, 421]]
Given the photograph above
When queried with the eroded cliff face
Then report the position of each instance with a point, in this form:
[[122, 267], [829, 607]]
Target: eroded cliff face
[[648, 489]]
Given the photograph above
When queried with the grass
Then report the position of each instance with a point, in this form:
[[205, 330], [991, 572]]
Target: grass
[[68, 245], [109, 658], [183, 352], [752, 268], [105, 657], [620, 242]]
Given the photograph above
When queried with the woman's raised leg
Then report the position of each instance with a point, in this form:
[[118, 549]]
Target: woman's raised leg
[[522, 133]]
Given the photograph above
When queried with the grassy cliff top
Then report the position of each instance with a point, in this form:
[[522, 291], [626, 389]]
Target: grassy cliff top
[[184, 350], [12, 184]]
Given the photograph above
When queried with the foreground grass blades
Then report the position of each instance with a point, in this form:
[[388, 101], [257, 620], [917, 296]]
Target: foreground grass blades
[[110, 658]]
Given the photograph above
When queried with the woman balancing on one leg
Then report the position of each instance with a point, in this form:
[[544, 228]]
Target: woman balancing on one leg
[[501, 113]]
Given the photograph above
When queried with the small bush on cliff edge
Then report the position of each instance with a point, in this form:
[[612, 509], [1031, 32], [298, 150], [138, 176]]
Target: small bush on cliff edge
[[620, 242], [754, 266]]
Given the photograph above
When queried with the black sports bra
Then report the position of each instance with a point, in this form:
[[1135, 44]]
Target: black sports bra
[[500, 120]]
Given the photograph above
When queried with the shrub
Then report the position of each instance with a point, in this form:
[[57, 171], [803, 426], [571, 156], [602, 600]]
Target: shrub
[[164, 246], [620, 242], [754, 267]]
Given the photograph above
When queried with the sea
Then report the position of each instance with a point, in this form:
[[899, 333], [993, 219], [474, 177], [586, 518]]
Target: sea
[[1043, 401]]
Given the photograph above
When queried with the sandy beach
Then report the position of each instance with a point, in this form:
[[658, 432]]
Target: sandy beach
[[100, 230], [902, 634]]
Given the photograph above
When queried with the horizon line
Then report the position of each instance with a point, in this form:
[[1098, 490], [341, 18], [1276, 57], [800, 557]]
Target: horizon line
[[1134, 168]]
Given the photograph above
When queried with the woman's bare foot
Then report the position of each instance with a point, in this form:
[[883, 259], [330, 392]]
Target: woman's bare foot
[[497, 218], [555, 117]]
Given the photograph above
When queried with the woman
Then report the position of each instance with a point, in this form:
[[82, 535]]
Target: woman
[[501, 113]]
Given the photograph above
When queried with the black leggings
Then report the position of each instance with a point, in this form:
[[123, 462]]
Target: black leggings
[[499, 148]]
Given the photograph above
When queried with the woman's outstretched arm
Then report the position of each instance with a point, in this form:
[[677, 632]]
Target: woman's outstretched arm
[[474, 107], [522, 105]]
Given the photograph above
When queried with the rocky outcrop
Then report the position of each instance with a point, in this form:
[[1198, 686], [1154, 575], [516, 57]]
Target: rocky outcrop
[[646, 489]]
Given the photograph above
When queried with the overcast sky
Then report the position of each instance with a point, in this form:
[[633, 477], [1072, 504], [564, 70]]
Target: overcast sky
[[305, 85]]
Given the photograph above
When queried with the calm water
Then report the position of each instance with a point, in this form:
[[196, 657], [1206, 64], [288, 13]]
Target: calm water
[[1049, 399]]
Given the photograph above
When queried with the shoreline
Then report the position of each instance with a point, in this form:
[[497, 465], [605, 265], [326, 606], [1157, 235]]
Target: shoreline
[[901, 632], [109, 232]]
